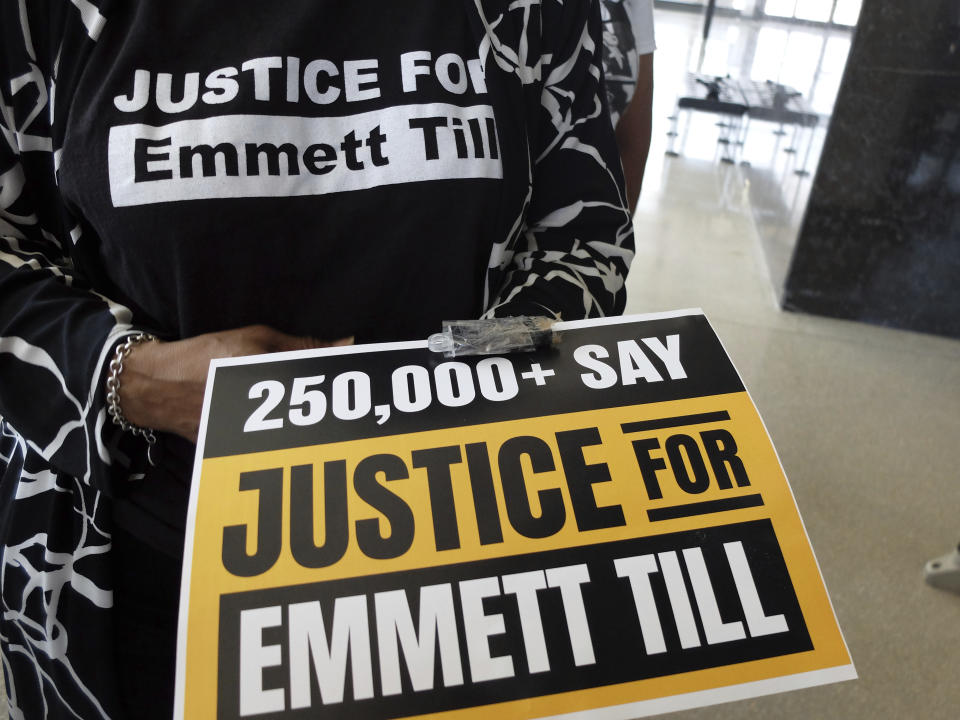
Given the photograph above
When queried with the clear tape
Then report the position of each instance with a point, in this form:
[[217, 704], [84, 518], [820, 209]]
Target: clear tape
[[494, 336]]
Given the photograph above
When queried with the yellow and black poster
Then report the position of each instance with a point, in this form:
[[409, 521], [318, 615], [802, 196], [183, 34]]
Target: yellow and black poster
[[601, 529]]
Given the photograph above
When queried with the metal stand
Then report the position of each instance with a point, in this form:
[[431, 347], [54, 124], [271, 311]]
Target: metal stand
[[793, 142], [811, 131], [729, 140], [712, 94], [944, 572], [708, 18], [673, 132]]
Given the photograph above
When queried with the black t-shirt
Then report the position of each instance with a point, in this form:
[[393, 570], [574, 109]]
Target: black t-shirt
[[329, 168], [338, 175]]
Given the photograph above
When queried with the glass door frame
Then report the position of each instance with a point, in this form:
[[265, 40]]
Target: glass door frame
[[757, 12], [761, 14]]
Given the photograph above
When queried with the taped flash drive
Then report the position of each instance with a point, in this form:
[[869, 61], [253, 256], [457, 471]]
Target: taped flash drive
[[494, 336]]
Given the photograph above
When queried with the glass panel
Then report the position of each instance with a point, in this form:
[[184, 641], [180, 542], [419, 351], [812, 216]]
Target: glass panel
[[825, 94], [835, 54], [727, 4], [831, 73], [788, 57], [722, 52], [847, 12], [800, 60], [780, 8], [816, 10], [769, 53]]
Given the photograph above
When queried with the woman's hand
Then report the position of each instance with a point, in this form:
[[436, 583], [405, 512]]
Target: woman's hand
[[162, 383]]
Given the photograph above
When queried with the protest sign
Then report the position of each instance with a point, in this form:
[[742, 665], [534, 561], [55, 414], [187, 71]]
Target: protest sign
[[601, 529]]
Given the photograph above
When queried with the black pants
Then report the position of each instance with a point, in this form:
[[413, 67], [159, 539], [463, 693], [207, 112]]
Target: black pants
[[146, 600]]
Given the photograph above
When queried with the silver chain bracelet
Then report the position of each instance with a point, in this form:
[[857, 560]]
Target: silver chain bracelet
[[113, 387]]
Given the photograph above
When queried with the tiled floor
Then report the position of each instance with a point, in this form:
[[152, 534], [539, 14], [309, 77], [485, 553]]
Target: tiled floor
[[777, 162], [865, 419]]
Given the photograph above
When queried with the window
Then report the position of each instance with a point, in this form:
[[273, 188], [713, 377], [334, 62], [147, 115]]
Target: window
[[841, 12], [780, 8], [815, 10], [847, 12]]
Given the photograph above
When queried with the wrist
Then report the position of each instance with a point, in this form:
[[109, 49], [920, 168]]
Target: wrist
[[156, 391], [117, 377]]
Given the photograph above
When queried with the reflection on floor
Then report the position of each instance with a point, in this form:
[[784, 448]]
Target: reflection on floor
[[778, 162], [865, 419]]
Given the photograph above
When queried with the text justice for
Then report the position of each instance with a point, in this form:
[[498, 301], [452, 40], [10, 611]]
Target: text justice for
[[373, 476], [320, 81]]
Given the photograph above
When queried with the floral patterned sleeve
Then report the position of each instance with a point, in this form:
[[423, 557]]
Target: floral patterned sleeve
[[572, 247]]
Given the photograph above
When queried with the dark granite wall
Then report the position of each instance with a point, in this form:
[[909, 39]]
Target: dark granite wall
[[880, 241]]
